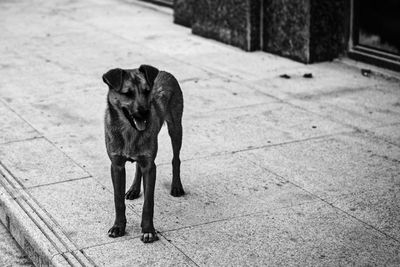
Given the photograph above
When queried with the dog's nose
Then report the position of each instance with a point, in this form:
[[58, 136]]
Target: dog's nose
[[143, 112]]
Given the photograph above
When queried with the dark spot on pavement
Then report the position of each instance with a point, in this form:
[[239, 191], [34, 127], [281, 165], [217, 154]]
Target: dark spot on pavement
[[284, 76]]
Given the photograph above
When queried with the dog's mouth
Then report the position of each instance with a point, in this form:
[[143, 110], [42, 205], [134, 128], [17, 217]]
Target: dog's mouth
[[137, 123]]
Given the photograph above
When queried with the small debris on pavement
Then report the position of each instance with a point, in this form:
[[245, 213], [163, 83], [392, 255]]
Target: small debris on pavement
[[314, 126], [285, 76], [366, 72], [308, 75]]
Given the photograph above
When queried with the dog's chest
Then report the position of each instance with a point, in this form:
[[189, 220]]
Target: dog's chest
[[130, 144]]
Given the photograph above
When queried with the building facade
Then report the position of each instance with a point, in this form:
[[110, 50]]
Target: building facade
[[304, 30]]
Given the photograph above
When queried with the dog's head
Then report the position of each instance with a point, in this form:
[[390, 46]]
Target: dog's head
[[131, 92]]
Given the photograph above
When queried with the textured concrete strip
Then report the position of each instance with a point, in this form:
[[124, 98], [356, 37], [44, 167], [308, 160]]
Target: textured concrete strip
[[218, 188], [13, 128], [34, 230], [37, 162], [306, 235], [10, 252]]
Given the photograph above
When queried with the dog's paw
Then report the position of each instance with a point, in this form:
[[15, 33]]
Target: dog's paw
[[149, 237], [132, 194], [177, 191], [116, 231]]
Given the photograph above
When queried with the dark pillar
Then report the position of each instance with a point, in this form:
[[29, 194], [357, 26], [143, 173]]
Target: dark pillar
[[183, 13], [235, 22], [304, 30], [328, 29]]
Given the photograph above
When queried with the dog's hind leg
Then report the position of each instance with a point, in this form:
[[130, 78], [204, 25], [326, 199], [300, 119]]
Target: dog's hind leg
[[134, 190], [175, 132]]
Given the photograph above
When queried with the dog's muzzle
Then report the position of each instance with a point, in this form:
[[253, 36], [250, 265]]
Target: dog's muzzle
[[139, 121]]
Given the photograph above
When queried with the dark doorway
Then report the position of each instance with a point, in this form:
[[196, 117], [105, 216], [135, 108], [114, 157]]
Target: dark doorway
[[376, 31]]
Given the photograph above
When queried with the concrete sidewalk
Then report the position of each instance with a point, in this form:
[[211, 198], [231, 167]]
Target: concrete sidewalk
[[277, 171]]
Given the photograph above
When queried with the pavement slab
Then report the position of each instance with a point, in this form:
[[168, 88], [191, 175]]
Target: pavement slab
[[379, 208], [13, 128], [261, 125], [37, 162], [350, 164], [363, 108], [310, 234], [390, 133], [133, 252], [218, 188], [356, 173], [212, 95]]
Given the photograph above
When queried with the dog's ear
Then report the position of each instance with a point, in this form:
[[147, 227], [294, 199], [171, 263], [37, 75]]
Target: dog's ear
[[114, 78], [150, 73]]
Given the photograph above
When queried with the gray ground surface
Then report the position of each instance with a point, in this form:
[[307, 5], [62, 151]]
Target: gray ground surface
[[277, 171], [10, 253]]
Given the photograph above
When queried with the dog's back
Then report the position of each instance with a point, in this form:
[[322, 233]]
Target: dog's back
[[168, 96]]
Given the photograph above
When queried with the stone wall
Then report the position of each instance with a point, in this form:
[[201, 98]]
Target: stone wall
[[183, 12], [304, 30], [286, 28], [234, 22], [328, 29]]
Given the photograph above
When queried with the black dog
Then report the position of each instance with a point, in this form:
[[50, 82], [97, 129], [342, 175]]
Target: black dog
[[139, 101]]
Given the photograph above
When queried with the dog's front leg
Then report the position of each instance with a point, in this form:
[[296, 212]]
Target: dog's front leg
[[149, 180], [118, 180]]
